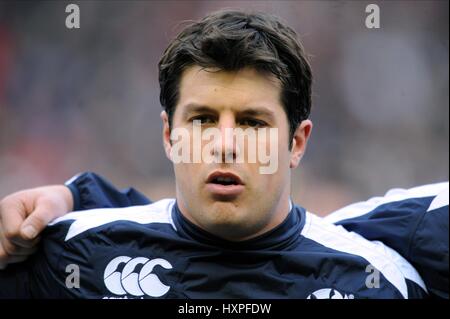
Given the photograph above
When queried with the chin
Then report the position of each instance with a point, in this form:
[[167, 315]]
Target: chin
[[225, 213]]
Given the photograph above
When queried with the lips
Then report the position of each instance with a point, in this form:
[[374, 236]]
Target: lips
[[224, 178], [224, 185]]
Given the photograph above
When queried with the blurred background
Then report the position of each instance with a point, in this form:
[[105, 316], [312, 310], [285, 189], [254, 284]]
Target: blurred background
[[73, 100]]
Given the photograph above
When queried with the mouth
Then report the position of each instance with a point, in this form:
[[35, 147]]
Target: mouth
[[224, 178], [224, 185]]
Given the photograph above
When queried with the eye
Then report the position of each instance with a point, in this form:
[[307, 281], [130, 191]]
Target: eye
[[204, 119], [253, 122]]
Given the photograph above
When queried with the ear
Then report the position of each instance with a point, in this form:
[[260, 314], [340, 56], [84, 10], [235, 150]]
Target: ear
[[299, 142], [166, 134]]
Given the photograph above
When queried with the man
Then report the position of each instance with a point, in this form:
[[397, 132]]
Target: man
[[225, 235]]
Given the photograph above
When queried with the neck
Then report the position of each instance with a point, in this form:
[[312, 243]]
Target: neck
[[228, 232]]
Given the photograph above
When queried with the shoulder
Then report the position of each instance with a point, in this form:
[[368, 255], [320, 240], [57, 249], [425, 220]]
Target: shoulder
[[76, 223], [413, 202], [87, 241], [389, 263]]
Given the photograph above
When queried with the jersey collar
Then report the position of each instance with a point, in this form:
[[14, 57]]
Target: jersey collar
[[282, 236]]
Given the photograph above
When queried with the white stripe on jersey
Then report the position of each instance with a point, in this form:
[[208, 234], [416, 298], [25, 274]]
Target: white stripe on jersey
[[157, 212], [73, 178], [439, 201], [393, 266], [394, 195]]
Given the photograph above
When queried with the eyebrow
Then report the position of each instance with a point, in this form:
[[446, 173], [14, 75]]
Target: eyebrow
[[259, 111], [197, 108], [251, 111]]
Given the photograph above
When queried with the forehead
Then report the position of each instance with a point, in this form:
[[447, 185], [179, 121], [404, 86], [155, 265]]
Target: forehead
[[233, 90]]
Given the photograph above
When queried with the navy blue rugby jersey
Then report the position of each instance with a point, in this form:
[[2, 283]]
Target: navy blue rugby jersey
[[153, 251], [414, 222]]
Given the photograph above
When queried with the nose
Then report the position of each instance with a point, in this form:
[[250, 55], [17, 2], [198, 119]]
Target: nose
[[225, 150]]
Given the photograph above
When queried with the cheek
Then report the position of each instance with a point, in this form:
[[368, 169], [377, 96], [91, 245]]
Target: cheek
[[182, 176], [273, 151], [189, 177], [276, 163], [186, 170]]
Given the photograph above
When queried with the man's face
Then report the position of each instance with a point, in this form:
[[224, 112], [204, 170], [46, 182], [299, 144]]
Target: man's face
[[233, 200]]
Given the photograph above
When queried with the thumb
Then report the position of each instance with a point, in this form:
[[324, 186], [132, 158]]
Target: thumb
[[37, 221]]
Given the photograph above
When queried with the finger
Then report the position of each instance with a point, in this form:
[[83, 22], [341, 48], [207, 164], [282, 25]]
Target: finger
[[12, 215], [37, 221]]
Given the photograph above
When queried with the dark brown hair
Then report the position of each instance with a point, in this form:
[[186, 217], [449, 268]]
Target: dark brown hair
[[231, 40]]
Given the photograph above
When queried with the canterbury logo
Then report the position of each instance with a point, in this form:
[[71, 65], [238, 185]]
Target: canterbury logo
[[329, 293], [131, 280]]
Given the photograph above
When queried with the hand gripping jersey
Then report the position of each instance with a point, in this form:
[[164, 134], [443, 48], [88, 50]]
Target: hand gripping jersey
[[152, 251]]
